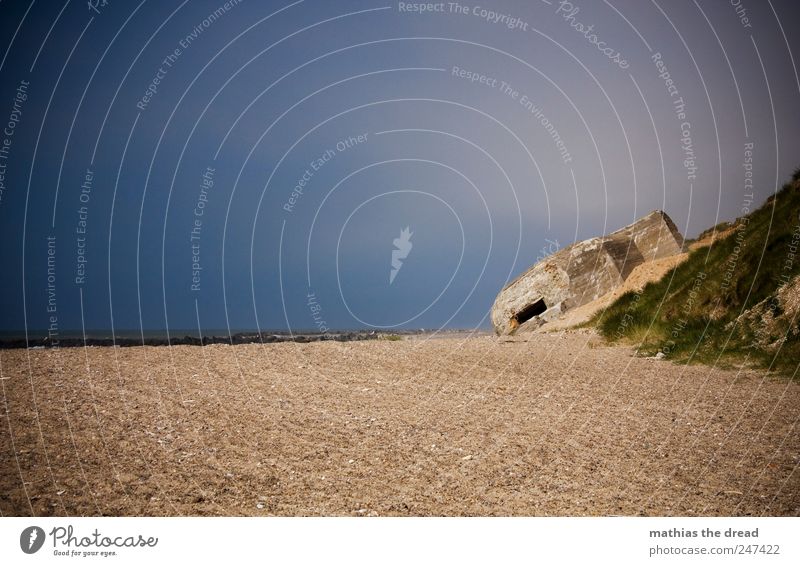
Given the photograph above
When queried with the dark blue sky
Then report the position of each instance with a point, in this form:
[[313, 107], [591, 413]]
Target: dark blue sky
[[567, 131]]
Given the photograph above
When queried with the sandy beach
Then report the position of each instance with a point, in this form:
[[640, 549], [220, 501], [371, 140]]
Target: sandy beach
[[547, 424]]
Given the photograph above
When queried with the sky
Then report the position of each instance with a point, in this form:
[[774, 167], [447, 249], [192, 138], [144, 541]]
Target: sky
[[200, 166]]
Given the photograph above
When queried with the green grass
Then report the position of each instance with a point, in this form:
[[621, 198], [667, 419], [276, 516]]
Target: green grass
[[721, 227], [688, 313]]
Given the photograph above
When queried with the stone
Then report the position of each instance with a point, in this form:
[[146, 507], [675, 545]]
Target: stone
[[582, 272]]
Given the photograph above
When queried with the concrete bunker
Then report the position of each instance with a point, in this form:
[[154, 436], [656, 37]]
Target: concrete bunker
[[583, 272]]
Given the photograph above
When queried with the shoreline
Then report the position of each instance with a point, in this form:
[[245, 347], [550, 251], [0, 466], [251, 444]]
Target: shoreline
[[274, 337]]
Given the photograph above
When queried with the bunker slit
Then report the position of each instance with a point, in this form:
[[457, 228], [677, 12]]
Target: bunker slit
[[533, 309]]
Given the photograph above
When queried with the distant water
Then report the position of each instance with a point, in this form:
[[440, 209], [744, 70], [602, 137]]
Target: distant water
[[155, 334], [147, 334]]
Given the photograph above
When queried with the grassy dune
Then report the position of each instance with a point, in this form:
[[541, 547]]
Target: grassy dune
[[733, 302]]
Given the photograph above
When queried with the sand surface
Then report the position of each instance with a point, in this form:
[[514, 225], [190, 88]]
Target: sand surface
[[553, 424]]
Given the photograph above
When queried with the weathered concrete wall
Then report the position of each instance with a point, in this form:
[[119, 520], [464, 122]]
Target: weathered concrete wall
[[592, 271], [549, 282], [655, 236], [585, 271]]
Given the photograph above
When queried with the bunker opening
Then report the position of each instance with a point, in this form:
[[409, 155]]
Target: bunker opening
[[529, 312]]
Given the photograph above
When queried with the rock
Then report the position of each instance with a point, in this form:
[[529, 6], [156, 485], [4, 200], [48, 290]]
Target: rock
[[660, 356], [582, 272]]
